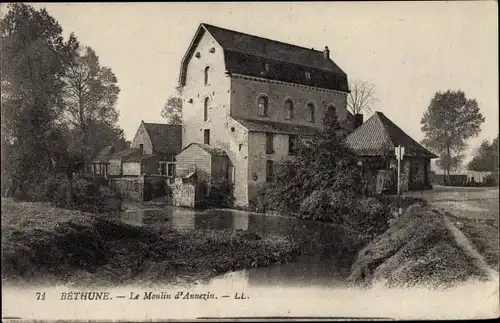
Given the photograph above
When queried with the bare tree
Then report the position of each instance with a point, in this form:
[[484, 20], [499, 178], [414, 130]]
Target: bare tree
[[361, 97]]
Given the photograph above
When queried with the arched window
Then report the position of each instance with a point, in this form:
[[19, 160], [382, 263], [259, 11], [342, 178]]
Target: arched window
[[207, 70], [205, 109], [288, 104], [310, 112], [263, 103], [332, 110]]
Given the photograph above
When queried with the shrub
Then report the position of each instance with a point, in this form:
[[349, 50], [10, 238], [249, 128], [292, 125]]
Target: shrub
[[368, 218], [489, 180], [220, 195], [87, 197], [54, 189]]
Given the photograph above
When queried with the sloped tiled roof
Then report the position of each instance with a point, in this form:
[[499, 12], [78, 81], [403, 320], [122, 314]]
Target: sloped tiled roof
[[214, 151], [248, 55], [379, 135], [104, 154], [126, 153], [166, 138], [277, 127]]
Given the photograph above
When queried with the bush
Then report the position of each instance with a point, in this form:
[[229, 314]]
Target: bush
[[490, 180], [87, 197], [54, 189], [50, 189], [220, 195]]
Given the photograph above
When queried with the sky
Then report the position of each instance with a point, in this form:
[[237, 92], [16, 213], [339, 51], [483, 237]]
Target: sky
[[408, 50]]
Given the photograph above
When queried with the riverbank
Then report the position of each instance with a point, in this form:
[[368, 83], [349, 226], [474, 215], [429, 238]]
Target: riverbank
[[41, 243], [473, 210], [421, 248]]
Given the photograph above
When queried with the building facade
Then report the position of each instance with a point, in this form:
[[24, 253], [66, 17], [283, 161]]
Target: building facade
[[375, 142], [253, 98]]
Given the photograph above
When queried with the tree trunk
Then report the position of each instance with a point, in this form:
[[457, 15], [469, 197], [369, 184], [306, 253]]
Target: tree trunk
[[69, 197], [448, 164]]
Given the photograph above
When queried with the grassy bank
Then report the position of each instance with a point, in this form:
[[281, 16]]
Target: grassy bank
[[42, 243], [474, 210], [418, 249]]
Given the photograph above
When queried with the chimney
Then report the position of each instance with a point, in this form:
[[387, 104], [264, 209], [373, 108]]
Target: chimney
[[358, 120], [326, 53]]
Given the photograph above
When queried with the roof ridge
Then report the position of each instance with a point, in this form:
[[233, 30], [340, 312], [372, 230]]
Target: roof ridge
[[264, 38], [276, 61], [163, 124]]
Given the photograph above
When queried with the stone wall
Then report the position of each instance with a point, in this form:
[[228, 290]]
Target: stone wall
[[140, 188], [129, 187], [183, 193]]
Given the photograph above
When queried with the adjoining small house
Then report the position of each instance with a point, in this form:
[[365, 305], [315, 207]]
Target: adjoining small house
[[101, 162], [152, 151], [199, 168], [375, 142], [208, 163]]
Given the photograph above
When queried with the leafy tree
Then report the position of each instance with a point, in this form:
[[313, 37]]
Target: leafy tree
[[486, 158], [322, 168], [450, 120], [34, 61], [90, 97], [361, 97], [172, 111]]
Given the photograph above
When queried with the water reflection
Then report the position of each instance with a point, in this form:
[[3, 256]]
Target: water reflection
[[323, 262]]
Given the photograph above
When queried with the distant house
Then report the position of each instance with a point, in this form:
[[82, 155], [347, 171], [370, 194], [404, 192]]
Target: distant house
[[100, 163], [162, 140], [375, 142], [152, 151]]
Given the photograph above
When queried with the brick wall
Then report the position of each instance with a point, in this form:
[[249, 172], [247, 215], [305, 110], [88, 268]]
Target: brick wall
[[244, 93], [257, 159]]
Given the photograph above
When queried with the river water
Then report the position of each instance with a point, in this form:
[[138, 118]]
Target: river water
[[311, 286], [323, 261]]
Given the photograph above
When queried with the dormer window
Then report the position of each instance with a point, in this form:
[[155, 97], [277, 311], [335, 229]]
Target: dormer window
[[288, 105], [308, 75], [263, 105], [266, 67], [207, 71], [197, 55], [212, 50]]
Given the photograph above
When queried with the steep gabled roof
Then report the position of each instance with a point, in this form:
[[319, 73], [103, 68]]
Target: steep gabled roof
[[379, 135], [166, 138], [214, 151], [248, 55]]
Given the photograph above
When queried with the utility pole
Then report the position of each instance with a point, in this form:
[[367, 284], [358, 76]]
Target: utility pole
[[400, 151]]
